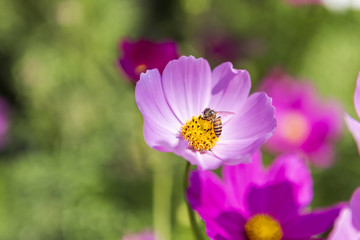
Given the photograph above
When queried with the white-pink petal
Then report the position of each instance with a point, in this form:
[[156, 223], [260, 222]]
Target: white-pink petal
[[357, 96], [237, 151], [230, 88], [160, 124], [187, 86], [254, 120], [205, 160], [355, 209], [354, 128], [343, 228]]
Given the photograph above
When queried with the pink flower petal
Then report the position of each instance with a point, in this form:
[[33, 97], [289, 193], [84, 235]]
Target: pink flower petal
[[343, 228], [234, 152], [254, 120], [187, 86], [275, 199], [204, 160], [243, 135], [205, 194], [357, 96], [160, 124], [324, 156], [238, 179], [291, 167], [229, 85], [159, 138], [311, 224], [146, 55], [355, 209], [354, 128], [226, 226]]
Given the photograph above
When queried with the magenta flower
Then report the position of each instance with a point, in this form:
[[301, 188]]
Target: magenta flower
[[306, 125], [139, 56], [347, 226], [145, 235], [4, 121], [221, 46], [352, 124], [173, 105], [252, 203]]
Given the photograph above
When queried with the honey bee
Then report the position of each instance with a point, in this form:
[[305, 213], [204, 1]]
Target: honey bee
[[211, 115]]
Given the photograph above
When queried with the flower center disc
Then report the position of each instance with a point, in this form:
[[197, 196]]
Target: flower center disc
[[140, 69], [199, 133], [263, 227], [294, 127]]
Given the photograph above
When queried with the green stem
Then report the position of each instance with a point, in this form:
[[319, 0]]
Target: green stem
[[162, 197], [194, 226]]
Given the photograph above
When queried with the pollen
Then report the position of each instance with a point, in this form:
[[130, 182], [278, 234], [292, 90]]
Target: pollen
[[263, 227], [199, 133], [140, 69]]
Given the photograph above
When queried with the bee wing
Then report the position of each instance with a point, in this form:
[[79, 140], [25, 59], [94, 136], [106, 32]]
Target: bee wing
[[225, 115]]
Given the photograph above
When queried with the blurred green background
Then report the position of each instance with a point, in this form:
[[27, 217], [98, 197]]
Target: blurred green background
[[76, 165]]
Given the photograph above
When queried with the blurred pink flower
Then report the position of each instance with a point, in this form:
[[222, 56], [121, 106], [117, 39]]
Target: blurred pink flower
[[352, 124], [256, 203], [172, 105], [221, 46], [145, 235], [305, 124], [4, 121], [347, 225], [139, 56]]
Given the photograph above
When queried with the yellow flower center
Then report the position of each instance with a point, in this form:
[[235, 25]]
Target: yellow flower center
[[263, 227], [199, 133], [140, 68], [294, 127]]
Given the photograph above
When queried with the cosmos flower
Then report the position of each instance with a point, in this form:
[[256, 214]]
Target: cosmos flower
[[172, 105], [306, 125], [4, 121], [218, 45], [347, 225], [139, 56], [352, 124], [252, 203], [145, 235]]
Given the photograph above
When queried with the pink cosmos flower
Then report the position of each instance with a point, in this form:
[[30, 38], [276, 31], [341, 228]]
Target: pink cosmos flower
[[139, 56], [306, 125], [352, 124], [221, 46], [347, 225], [173, 103], [4, 121], [145, 235], [252, 203]]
